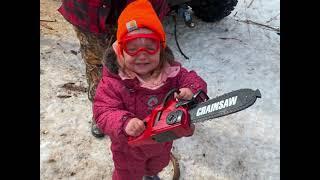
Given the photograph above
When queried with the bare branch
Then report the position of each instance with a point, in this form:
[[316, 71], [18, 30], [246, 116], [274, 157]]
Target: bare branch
[[44, 20], [258, 24], [225, 38], [250, 3], [235, 14], [271, 19], [46, 26]]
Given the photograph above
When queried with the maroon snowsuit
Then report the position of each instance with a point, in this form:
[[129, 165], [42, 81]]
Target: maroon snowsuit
[[117, 101]]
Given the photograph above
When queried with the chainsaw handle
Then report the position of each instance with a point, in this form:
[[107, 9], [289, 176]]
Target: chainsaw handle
[[200, 96], [169, 95]]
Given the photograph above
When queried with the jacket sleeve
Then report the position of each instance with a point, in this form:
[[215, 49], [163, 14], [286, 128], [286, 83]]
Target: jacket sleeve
[[109, 111], [190, 79]]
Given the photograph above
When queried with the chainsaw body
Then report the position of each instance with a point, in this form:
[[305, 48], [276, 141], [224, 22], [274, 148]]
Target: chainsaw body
[[168, 121]]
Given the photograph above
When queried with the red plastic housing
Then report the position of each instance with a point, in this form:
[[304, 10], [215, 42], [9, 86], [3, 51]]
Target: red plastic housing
[[158, 130]]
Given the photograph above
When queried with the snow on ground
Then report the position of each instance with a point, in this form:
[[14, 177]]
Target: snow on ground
[[229, 55]]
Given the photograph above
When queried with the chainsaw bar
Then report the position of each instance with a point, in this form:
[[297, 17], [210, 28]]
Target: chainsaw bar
[[223, 105]]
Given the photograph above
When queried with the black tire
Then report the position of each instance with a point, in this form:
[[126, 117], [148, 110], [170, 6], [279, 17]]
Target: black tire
[[212, 10]]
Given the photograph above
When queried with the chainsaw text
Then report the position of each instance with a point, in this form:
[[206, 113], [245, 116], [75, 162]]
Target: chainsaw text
[[217, 106]]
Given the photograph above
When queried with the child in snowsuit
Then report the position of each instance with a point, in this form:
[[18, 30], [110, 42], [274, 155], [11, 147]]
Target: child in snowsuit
[[138, 71]]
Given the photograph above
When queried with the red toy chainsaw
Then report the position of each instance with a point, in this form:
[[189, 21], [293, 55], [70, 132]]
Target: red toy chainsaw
[[174, 118]]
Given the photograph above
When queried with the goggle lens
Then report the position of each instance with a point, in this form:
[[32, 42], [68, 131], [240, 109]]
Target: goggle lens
[[133, 44]]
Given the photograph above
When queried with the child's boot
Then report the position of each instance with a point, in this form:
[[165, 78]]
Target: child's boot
[[96, 132], [155, 177]]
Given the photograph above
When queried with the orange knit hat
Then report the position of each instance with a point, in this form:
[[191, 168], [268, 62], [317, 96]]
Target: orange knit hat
[[139, 14]]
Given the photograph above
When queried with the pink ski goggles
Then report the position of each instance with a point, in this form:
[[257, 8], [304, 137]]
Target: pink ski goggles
[[133, 44]]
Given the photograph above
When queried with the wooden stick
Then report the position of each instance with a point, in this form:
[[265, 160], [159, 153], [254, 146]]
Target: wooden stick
[[224, 38], [44, 20], [235, 14], [272, 18], [258, 24], [176, 167], [46, 26], [250, 3]]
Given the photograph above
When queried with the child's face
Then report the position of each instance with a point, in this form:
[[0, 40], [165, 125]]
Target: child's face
[[142, 55]]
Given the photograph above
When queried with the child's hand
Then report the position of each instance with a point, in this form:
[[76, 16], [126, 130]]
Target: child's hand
[[185, 93], [134, 127]]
